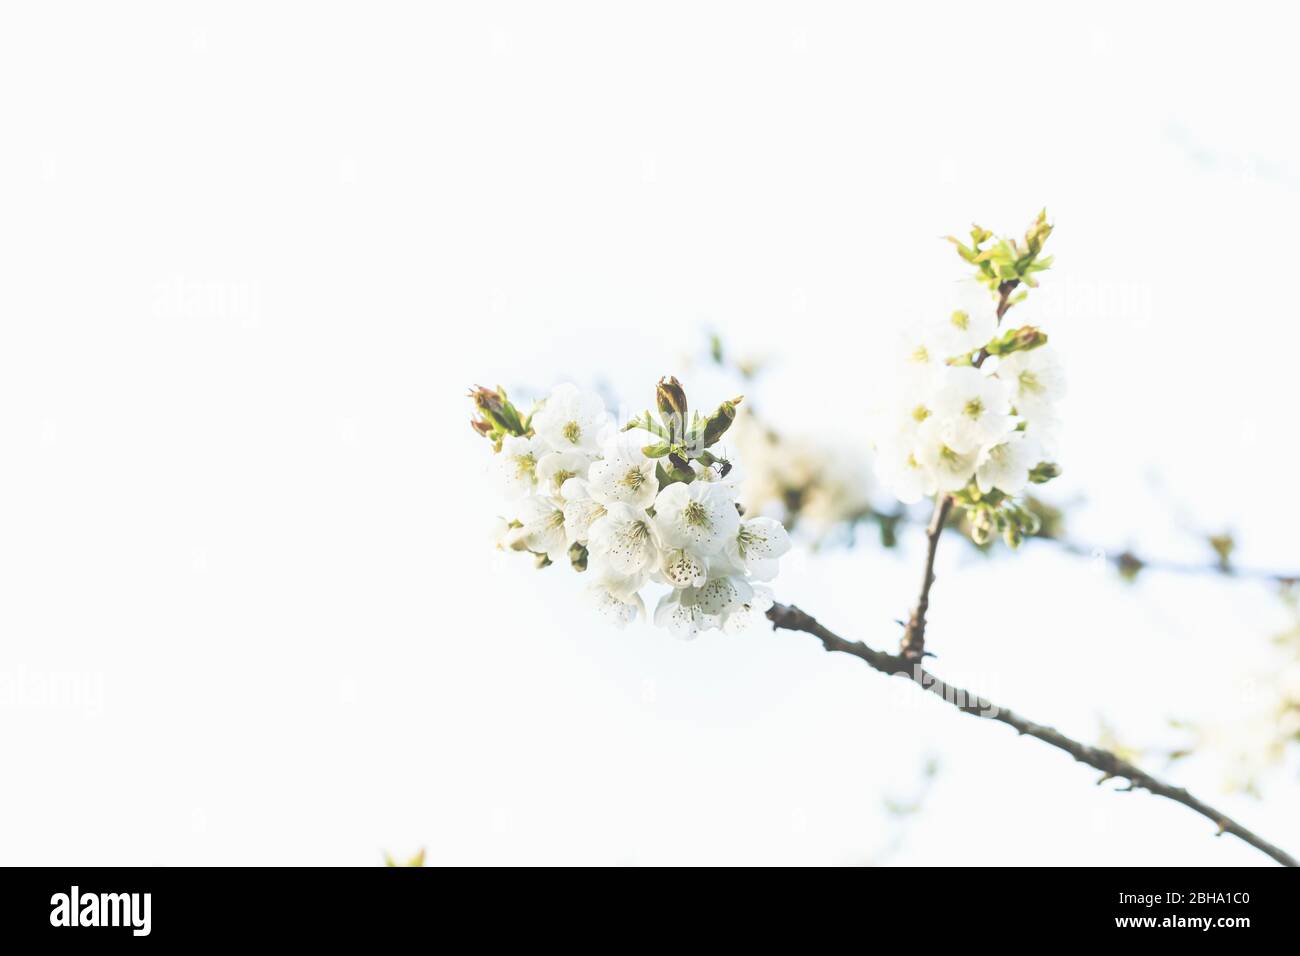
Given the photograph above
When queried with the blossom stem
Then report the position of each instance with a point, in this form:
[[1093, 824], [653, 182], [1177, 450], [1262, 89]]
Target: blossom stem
[[913, 644], [788, 617], [1004, 303], [1004, 300]]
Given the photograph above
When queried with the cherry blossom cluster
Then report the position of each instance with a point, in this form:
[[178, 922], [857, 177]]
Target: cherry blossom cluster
[[973, 409], [650, 502]]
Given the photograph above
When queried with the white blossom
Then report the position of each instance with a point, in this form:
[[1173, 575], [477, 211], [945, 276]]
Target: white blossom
[[1006, 465], [624, 540], [700, 516], [967, 324], [1036, 385], [757, 546], [617, 607], [899, 469], [947, 453], [580, 510], [516, 465], [592, 500], [683, 569], [679, 612], [819, 483], [572, 420], [556, 468], [745, 614], [624, 475], [959, 423], [541, 528], [974, 408], [727, 602], [917, 356], [499, 531]]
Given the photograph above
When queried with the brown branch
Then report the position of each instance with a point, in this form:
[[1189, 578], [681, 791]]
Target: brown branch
[[913, 643], [788, 617], [1004, 297], [1004, 302]]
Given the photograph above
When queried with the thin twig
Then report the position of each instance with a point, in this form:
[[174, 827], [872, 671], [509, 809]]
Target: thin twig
[[1004, 302], [1124, 559], [788, 617], [1004, 297], [913, 643], [1129, 563]]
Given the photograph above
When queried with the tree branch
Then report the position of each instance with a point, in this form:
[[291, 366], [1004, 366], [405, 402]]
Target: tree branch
[[788, 617], [913, 643], [1129, 563], [1125, 560]]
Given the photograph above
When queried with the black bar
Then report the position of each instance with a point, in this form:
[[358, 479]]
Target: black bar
[[969, 906]]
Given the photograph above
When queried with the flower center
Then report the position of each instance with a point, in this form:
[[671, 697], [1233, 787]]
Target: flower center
[[1029, 382], [696, 514], [921, 355], [745, 539], [572, 432], [525, 465], [560, 477], [961, 320], [920, 413], [634, 479], [974, 408]]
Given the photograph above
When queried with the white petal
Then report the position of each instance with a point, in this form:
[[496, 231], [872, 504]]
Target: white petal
[[683, 620], [684, 570], [618, 610]]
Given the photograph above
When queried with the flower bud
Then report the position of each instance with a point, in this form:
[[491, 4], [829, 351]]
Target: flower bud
[[1129, 565], [1029, 338], [578, 556], [671, 398], [1037, 233], [1017, 340], [1030, 523], [1223, 545], [1044, 472], [718, 423], [496, 411]]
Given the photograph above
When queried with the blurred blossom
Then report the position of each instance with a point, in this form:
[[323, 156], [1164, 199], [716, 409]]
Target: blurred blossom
[[815, 486], [1256, 740]]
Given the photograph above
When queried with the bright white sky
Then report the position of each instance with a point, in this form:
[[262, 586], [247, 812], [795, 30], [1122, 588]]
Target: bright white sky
[[253, 256]]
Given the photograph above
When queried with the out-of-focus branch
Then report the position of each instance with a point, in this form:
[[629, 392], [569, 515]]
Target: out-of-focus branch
[[788, 617], [1130, 564], [913, 643], [1126, 561]]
